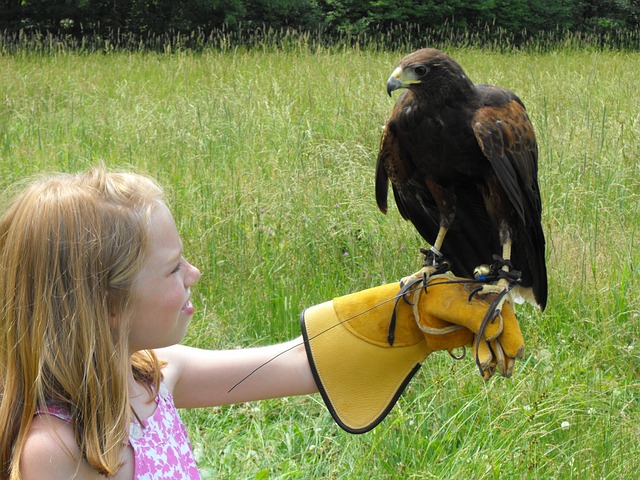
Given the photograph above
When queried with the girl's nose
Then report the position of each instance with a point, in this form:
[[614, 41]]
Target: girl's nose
[[192, 276]]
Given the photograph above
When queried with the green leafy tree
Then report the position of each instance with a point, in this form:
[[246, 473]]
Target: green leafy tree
[[53, 15], [606, 15], [426, 13], [346, 14], [517, 17], [305, 14], [160, 16], [536, 15]]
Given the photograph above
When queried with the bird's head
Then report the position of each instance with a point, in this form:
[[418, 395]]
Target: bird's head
[[429, 72]]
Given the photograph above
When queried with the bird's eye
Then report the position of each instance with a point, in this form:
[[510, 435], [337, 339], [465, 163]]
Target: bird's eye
[[421, 70]]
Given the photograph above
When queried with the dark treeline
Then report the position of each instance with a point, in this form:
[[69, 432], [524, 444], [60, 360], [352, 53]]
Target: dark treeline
[[515, 19]]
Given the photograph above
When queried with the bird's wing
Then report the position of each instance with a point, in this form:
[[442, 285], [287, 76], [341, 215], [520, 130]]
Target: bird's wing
[[391, 165], [388, 153], [412, 197], [507, 140]]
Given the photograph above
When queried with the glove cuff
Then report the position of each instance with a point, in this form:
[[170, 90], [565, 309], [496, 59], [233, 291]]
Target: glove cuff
[[359, 375]]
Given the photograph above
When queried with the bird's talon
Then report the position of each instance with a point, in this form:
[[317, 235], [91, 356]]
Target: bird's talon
[[474, 292], [424, 273]]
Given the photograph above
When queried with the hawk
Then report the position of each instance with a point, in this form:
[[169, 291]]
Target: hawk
[[462, 160]]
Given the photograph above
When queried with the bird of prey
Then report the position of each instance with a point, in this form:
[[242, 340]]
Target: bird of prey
[[462, 159]]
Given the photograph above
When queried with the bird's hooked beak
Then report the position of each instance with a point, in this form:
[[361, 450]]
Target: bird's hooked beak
[[402, 78], [395, 81]]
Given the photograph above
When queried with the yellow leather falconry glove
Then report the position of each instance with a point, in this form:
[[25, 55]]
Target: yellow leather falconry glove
[[365, 347]]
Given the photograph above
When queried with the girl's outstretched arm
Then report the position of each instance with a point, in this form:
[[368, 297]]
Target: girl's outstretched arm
[[206, 378]]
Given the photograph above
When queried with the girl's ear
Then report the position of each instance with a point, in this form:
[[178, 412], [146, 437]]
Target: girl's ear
[[114, 321], [113, 311]]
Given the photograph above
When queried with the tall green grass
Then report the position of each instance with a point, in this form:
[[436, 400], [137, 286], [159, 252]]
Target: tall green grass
[[269, 159]]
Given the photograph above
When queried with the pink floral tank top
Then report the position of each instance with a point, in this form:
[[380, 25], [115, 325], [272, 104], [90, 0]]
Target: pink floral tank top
[[161, 446]]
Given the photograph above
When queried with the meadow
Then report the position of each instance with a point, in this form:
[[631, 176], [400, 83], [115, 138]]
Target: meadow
[[268, 156]]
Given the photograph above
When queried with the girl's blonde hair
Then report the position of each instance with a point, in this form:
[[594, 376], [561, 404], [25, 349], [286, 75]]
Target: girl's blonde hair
[[71, 247]]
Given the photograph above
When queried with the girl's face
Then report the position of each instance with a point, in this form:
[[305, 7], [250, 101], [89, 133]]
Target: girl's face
[[160, 305]]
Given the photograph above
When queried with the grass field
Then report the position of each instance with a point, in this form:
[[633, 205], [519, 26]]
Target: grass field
[[269, 159]]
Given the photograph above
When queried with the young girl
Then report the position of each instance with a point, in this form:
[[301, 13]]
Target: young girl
[[94, 298]]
